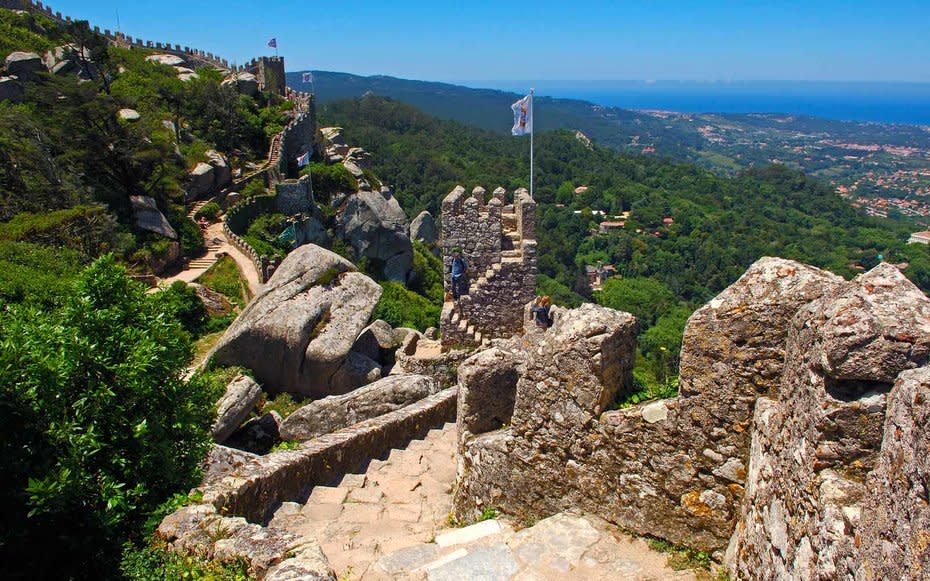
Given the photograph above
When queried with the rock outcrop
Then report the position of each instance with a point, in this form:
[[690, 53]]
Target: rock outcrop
[[339, 411], [423, 228], [297, 335], [821, 439], [242, 394], [23, 64], [149, 217], [245, 83], [376, 227]]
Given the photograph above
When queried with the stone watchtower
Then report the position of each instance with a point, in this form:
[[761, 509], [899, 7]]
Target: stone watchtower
[[497, 240]]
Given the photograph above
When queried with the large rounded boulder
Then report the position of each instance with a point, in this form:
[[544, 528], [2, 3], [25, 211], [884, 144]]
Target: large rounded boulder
[[297, 335], [376, 227]]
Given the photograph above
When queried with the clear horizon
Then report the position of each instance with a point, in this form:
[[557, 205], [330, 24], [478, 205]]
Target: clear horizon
[[719, 39]]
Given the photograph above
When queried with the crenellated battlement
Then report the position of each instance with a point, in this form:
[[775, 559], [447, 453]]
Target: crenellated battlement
[[195, 57], [496, 237]]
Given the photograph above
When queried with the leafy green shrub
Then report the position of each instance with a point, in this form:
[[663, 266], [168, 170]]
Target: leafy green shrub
[[88, 229], [35, 273], [404, 308], [255, 187], [224, 277], [372, 179], [263, 233], [329, 179], [98, 427], [156, 562], [189, 233], [210, 211], [284, 403], [427, 270], [645, 298], [558, 292], [182, 302]]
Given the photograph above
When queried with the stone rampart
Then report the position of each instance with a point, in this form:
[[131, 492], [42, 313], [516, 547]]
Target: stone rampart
[[778, 444]]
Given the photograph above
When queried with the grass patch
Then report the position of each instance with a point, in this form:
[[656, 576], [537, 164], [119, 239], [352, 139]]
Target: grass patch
[[401, 307], [321, 324], [489, 513], [681, 558], [203, 345], [225, 278], [283, 403], [285, 445]]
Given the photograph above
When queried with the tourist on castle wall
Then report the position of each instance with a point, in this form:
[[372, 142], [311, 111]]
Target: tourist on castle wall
[[540, 310], [459, 270]]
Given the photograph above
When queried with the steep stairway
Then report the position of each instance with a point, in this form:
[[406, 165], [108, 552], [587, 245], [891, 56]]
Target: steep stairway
[[391, 522]]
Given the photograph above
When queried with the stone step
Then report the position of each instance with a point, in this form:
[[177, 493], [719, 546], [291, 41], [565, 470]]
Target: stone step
[[496, 266], [456, 317], [471, 330], [478, 337], [469, 534], [463, 324], [512, 259], [328, 495], [481, 281], [510, 253]]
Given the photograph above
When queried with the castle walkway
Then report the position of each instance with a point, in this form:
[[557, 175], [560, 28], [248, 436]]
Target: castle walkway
[[391, 521]]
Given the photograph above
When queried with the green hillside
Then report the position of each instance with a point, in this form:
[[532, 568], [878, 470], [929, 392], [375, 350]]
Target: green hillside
[[721, 224]]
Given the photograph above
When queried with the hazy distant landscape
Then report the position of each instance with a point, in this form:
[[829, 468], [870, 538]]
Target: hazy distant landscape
[[907, 103], [882, 167]]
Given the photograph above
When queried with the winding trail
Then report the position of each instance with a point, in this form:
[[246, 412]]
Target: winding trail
[[217, 246]]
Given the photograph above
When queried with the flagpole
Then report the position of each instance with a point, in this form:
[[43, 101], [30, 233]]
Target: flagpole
[[532, 130]]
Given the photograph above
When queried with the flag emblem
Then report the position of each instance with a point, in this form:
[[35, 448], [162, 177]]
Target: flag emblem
[[522, 116], [303, 160], [308, 77], [273, 43]]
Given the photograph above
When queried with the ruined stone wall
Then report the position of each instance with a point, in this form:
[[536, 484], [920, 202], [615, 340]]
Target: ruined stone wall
[[297, 138], [292, 197], [673, 468], [779, 442], [497, 241], [813, 491], [269, 70]]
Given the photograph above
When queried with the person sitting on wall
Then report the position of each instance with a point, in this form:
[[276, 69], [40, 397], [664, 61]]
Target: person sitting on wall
[[458, 269], [540, 309]]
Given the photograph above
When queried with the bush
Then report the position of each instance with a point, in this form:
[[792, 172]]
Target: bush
[[328, 180], [156, 562], [263, 233], [182, 302], [427, 271], [31, 273], [210, 211], [255, 187], [404, 308], [98, 427], [284, 403]]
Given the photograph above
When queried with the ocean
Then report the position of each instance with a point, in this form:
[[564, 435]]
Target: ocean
[[847, 101]]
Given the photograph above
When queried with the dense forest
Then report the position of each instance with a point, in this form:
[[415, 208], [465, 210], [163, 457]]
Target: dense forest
[[687, 233]]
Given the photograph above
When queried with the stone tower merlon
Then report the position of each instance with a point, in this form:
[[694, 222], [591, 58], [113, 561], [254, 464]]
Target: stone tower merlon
[[269, 70], [497, 241]]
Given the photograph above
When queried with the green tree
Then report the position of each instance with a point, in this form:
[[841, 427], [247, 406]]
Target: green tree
[[99, 427], [645, 298]]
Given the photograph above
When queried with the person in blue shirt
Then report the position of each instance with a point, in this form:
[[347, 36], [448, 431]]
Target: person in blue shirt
[[458, 270]]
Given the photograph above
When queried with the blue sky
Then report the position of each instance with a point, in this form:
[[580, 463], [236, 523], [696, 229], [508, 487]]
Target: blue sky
[[477, 39]]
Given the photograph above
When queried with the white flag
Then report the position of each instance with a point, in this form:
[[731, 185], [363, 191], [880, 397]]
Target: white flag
[[303, 160], [523, 116], [308, 77]]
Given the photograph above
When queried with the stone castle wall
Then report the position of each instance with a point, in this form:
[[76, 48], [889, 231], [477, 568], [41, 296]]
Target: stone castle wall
[[497, 241], [779, 422], [266, 69]]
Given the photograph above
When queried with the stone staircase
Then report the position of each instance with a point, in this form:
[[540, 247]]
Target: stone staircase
[[212, 243], [391, 522]]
